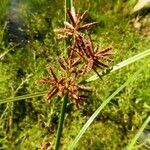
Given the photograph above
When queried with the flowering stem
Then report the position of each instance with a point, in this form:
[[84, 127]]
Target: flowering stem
[[61, 121], [68, 4]]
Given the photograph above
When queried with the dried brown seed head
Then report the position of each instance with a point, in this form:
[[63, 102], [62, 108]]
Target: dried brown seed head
[[73, 28]]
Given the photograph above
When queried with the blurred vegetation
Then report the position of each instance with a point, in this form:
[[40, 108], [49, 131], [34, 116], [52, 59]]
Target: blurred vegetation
[[31, 123]]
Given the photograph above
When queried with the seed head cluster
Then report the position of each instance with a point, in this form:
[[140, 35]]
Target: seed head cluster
[[82, 57]]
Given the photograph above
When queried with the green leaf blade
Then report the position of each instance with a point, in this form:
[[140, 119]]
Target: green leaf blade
[[105, 102], [133, 141], [121, 65], [18, 98]]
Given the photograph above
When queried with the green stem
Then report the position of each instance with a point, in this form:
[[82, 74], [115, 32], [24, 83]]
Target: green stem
[[61, 121], [69, 4]]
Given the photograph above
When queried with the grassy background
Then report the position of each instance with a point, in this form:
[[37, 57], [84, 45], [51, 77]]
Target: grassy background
[[29, 123]]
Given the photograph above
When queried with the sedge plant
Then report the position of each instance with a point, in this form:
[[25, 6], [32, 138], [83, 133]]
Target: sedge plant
[[82, 57]]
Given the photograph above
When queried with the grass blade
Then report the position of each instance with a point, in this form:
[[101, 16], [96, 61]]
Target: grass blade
[[105, 102], [133, 141], [2, 55], [120, 65], [18, 98], [7, 51]]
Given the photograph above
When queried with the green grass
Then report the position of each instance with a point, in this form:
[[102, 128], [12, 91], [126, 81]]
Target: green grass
[[3, 9], [27, 121], [102, 106], [131, 144]]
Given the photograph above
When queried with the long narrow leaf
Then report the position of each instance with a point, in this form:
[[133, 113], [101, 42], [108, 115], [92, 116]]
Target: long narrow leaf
[[133, 141], [120, 65], [105, 102], [12, 99]]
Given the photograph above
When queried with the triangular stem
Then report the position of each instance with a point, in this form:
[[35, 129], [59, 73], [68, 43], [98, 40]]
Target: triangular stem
[[61, 121]]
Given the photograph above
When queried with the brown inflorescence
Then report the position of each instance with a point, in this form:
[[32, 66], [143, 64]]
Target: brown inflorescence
[[74, 28], [64, 85], [82, 57]]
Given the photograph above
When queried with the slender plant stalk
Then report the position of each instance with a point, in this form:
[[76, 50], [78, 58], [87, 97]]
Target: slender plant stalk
[[68, 4], [61, 121]]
